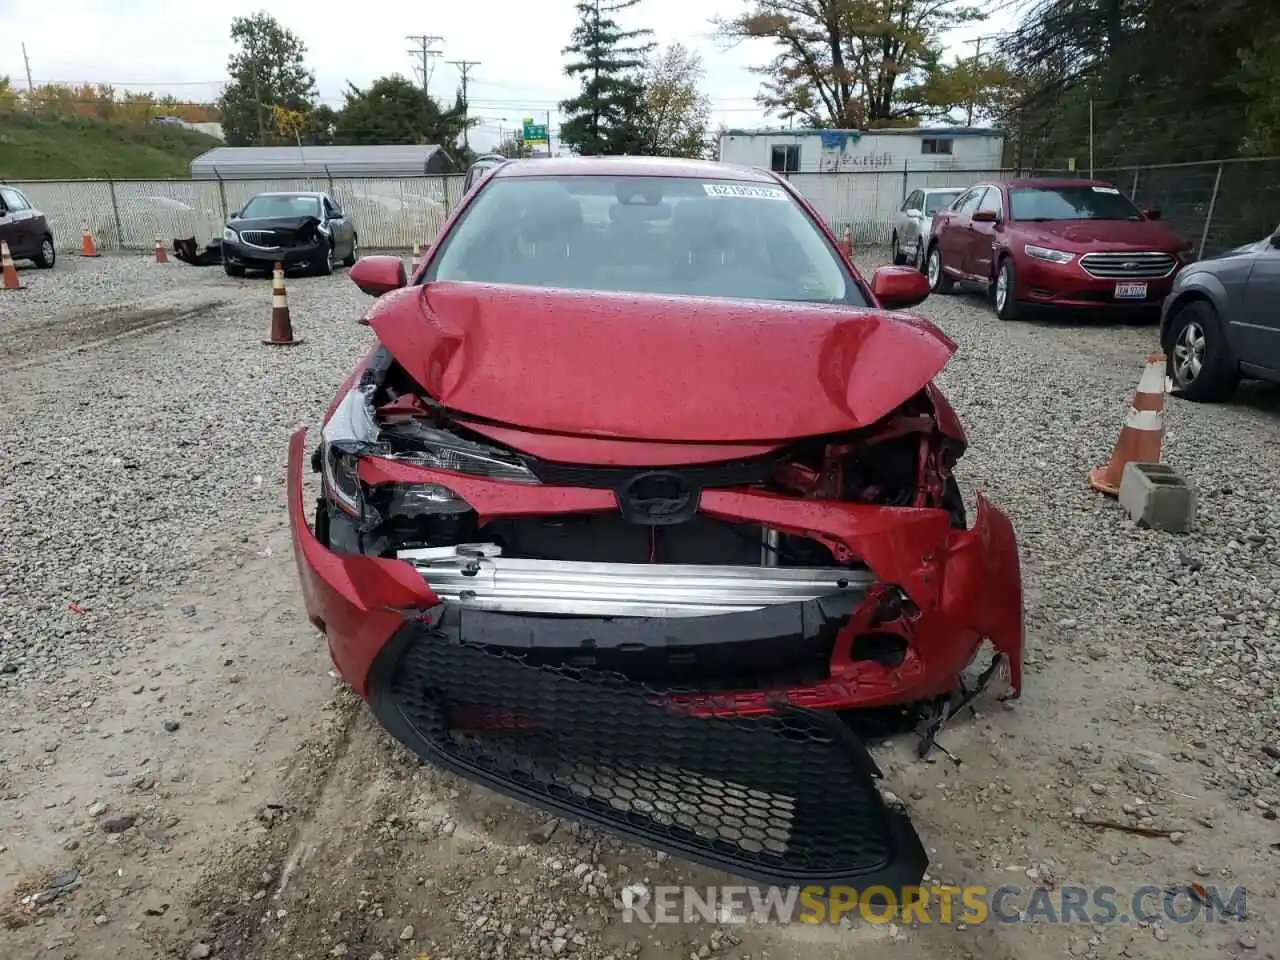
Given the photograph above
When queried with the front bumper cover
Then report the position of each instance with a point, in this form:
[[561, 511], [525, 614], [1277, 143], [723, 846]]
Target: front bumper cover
[[661, 729], [242, 254]]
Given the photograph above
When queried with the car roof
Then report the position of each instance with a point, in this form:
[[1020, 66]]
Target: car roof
[[632, 167], [289, 193], [1054, 182], [944, 189]]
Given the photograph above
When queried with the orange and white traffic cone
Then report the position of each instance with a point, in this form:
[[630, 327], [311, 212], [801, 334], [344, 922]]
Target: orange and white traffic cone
[[11, 280], [281, 323], [87, 247], [1142, 436], [161, 256]]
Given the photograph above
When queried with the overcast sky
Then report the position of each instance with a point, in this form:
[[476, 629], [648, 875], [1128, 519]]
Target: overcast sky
[[181, 48]]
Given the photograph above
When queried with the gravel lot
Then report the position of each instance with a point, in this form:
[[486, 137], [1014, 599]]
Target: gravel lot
[[174, 754]]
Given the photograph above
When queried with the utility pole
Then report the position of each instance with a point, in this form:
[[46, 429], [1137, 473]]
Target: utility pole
[[424, 54], [26, 62], [973, 87], [257, 100], [464, 68]]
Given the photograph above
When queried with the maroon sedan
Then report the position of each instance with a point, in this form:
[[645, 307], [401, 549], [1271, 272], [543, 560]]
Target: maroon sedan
[[1077, 244], [25, 229]]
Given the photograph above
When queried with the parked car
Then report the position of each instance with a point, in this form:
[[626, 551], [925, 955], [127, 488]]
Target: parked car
[[638, 459], [480, 167], [1220, 322], [305, 230], [1074, 244], [25, 229], [914, 220]]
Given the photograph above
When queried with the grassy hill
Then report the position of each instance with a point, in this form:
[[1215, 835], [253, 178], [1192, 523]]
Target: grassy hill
[[73, 148]]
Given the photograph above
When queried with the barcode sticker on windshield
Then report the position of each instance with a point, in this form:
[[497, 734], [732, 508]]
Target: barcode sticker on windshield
[[744, 190], [1105, 190]]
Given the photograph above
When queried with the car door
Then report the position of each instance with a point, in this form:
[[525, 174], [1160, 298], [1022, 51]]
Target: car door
[[339, 226], [951, 226], [982, 236], [909, 229], [16, 223], [1256, 331]]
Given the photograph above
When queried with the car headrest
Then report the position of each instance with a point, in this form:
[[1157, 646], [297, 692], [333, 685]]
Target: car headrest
[[702, 222], [552, 217], [639, 212]]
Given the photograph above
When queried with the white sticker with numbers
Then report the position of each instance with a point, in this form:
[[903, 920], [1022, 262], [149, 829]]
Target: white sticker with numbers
[[1105, 190], [744, 190]]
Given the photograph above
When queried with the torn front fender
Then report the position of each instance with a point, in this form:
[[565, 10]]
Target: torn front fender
[[982, 586], [354, 597]]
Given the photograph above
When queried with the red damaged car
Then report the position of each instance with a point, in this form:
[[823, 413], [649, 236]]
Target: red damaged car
[[641, 504]]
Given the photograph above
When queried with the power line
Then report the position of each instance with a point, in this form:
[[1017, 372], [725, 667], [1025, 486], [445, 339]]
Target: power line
[[424, 54]]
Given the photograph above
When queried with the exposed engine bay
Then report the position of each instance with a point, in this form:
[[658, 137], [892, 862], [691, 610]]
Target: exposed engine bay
[[902, 461]]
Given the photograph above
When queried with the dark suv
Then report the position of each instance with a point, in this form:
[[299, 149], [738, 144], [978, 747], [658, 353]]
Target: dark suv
[[25, 229]]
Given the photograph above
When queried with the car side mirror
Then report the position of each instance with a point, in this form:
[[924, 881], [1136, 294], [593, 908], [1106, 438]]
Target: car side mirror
[[1151, 214], [915, 214], [899, 287], [379, 274], [986, 216], [1275, 239]]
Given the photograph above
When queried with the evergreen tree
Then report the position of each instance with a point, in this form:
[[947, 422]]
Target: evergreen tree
[[605, 118]]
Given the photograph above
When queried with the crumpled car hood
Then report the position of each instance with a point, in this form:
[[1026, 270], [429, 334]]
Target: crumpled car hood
[[282, 224], [641, 367]]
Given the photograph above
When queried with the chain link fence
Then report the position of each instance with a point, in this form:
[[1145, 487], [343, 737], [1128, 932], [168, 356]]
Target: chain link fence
[[1217, 205]]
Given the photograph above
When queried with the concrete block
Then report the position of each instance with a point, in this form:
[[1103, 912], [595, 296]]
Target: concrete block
[[1157, 496]]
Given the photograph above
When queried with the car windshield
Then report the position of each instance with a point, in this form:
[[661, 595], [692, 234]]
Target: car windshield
[[280, 205], [1071, 203], [655, 235], [933, 202]]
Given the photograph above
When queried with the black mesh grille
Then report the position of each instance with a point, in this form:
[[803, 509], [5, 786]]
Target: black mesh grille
[[785, 798]]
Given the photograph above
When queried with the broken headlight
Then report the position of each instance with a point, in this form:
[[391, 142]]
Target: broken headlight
[[441, 450], [341, 475]]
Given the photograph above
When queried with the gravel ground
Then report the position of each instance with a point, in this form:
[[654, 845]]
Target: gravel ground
[[175, 757]]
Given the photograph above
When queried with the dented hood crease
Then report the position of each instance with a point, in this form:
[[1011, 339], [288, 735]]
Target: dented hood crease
[[641, 367]]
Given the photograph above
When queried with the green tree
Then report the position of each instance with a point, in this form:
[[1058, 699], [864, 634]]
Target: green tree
[[605, 117], [395, 110], [850, 63], [675, 114], [268, 71]]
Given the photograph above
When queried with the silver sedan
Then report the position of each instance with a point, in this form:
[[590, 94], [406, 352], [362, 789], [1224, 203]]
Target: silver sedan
[[912, 221]]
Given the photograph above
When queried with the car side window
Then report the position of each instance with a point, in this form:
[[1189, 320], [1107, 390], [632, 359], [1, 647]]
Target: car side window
[[917, 200], [991, 201], [329, 209], [13, 200], [911, 203], [969, 202]]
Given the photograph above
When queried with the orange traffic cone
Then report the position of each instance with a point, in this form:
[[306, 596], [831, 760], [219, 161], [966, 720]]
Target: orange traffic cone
[[87, 247], [1142, 436], [161, 256], [11, 281], [281, 323]]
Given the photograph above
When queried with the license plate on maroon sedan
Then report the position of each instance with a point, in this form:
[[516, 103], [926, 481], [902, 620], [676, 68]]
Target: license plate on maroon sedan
[[1131, 291]]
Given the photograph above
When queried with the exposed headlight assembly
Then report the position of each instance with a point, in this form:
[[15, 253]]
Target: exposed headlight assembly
[[230, 236], [442, 450]]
